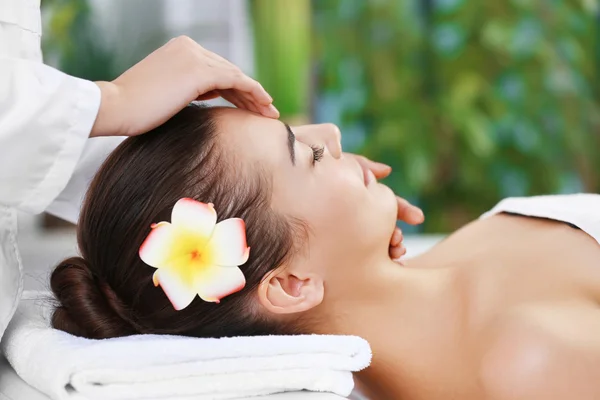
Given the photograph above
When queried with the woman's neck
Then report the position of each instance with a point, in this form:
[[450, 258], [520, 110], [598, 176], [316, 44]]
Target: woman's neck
[[403, 312], [388, 293]]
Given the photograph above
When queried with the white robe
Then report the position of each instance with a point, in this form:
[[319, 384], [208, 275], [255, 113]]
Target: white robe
[[46, 158]]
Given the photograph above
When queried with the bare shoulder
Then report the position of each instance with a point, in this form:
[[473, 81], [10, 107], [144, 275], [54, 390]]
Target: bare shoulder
[[544, 352]]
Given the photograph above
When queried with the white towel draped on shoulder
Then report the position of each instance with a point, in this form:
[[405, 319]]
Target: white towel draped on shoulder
[[161, 366], [581, 210]]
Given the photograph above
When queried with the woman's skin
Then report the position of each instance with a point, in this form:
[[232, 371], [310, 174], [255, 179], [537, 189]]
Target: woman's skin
[[503, 309]]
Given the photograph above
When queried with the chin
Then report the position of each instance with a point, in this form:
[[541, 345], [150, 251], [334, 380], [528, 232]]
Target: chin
[[382, 217], [388, 204]]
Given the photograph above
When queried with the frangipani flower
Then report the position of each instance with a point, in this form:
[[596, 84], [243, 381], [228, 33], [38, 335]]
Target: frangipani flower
[[195, 255]]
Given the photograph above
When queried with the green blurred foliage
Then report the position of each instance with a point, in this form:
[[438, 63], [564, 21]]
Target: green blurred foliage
[[469, 101], [282, 53], [72, 38]]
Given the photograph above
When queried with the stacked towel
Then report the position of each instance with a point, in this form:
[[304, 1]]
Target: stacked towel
[[153, 367]]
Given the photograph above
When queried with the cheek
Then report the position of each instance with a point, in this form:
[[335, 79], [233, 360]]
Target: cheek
[[342, 196], [345, 218], [348, 216]]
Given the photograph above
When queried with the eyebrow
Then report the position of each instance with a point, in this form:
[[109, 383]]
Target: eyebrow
[[291, 143]]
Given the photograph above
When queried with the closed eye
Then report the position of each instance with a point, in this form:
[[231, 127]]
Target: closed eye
[[318, 152]]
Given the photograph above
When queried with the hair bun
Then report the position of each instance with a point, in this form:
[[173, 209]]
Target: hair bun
[[87, 306]]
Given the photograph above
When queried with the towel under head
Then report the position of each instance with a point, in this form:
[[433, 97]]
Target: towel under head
[[163, 366]]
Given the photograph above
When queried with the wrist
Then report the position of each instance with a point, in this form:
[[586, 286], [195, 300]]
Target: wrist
[[107, 121]]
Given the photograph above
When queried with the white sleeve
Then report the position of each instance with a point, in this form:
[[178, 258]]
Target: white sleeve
[[45, 120], [68, 202]]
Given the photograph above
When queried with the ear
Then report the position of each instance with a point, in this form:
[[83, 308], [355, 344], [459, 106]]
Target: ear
[[283, 291]]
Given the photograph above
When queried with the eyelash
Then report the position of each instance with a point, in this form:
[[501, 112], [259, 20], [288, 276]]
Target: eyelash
[[317, 153]]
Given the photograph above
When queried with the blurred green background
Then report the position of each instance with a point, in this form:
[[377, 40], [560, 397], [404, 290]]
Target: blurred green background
[[468, 101]]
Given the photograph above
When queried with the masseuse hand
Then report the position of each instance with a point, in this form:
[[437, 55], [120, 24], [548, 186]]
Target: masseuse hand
[[171, 77], [406, 212]]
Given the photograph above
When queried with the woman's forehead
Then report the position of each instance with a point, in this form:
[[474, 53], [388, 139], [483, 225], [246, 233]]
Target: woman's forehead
[[253, 136]]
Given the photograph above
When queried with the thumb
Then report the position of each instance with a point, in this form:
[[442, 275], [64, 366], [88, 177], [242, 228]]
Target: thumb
[[408, 213], [378, 169]]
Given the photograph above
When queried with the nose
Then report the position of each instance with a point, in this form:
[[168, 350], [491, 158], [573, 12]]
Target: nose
[[328, 135], [333, 140]]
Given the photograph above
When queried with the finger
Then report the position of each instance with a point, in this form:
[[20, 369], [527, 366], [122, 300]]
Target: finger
[[258, 93], [379, 170], [239, 100], [232, 77], [266, 110], [213, 94], [237, 80], [269, 111], [397, 252], [232, 99], [236, 97], [408, 213], [396, 237], [248, 105]]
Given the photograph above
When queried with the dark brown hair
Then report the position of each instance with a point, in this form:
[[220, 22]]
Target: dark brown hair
[[108, 291]]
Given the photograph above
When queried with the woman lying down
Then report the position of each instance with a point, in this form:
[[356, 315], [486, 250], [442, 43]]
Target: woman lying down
[[505, 308]]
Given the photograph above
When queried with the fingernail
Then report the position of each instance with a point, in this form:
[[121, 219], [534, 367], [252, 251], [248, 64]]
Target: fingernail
[[270, 111]]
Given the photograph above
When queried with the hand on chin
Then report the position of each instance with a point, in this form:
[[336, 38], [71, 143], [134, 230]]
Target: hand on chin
[[406, 212], [411, 215]]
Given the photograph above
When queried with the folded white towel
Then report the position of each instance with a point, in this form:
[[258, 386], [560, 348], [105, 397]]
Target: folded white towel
[[581, 210], [161, 366]]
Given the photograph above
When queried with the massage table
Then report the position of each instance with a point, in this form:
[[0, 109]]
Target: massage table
[[14, 388]]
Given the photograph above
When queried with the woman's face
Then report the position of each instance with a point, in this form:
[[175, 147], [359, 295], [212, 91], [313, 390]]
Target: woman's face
[[349, 215]]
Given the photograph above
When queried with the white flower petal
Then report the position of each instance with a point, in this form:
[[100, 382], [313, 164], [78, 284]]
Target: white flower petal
[[194, 217], [215, 282], [227, 246]]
